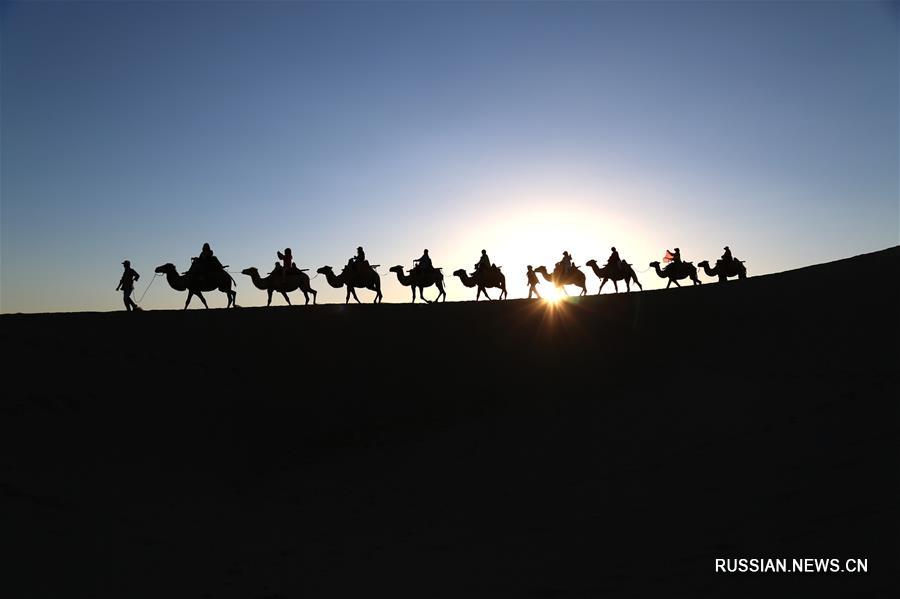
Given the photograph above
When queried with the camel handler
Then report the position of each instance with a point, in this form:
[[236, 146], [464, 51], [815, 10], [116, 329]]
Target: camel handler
[[126, 284], [532, 282]]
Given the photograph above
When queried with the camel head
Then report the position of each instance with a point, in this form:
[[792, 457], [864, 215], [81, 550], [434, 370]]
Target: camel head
[[165, 268], [459, 273], [654, 264], [325, 270], [704, 263], [250, 271], [591, 263], [397, 269], [541, 269]]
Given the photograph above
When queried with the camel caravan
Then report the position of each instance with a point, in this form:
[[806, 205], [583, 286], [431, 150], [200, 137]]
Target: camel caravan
[[207, 273]]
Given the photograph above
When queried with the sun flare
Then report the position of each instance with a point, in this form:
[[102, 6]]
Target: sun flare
[[552, 295]]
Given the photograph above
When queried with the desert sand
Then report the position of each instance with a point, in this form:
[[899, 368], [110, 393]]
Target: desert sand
[[610, 446]]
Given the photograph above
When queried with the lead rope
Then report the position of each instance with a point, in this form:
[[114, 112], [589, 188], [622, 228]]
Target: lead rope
[[148, 288]]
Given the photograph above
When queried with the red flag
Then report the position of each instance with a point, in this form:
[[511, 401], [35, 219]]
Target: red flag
[[669, 256]]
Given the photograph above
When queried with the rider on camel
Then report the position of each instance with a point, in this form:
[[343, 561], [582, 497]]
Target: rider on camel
[[727, 258], [484, 263], [423, 264], [614, 262], [566, 262]]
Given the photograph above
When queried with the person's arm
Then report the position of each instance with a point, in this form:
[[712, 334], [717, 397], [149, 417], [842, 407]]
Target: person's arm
[[136, 275], [280, 256]]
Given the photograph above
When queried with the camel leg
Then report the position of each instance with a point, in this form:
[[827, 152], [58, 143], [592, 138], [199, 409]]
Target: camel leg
[[315, 293], [669, 283], [486, 294], [677, 284], [269, 303], [202, 299], [616, 285], [190, 295], [353, 292], [602, 283], [286, 298], [413, 287], [422, 295]]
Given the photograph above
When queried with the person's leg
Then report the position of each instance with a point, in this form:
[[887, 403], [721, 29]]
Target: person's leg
[[126, 293]]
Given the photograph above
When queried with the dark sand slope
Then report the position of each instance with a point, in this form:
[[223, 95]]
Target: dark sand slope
[[611, 447]]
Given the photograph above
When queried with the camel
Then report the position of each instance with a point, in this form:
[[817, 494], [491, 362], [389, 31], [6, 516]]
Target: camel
[[197, 283], [723, 271], [296, 279], [612, 274], [560, 279], [687, 270], [491, 278], [368, 279], [417, 278]]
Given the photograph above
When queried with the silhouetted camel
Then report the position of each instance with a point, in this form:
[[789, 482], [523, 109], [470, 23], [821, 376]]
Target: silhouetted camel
[[197, 283], [607, 273], [483, 279], [687, 270], [735, 269], [417, 278], [368, 279], [560, 279], [296, 279]]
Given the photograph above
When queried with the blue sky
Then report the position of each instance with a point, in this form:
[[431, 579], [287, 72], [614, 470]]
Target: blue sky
[[142, 129]]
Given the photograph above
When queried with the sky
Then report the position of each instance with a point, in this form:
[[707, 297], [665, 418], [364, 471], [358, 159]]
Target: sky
[[140, 130]]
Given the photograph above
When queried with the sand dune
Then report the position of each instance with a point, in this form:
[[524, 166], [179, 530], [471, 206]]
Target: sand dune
[[610, 446]]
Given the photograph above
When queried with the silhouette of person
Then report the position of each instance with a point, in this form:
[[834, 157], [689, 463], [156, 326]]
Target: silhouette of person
[[484, 263], [126, 284], [727, 257], [676, 256], [288, 261], [532, 281], [424, 263], [566, 262], [206, 261], [614, 261], [358, 262]]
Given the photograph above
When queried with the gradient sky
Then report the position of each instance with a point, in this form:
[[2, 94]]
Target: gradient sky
[[141, 130]]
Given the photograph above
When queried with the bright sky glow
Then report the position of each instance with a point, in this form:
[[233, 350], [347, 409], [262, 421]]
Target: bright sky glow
[[141, 130]]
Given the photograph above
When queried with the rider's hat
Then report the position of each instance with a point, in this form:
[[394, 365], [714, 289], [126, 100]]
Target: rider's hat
[[613, 248], [725, 248], [677, 250], [127, 262]]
